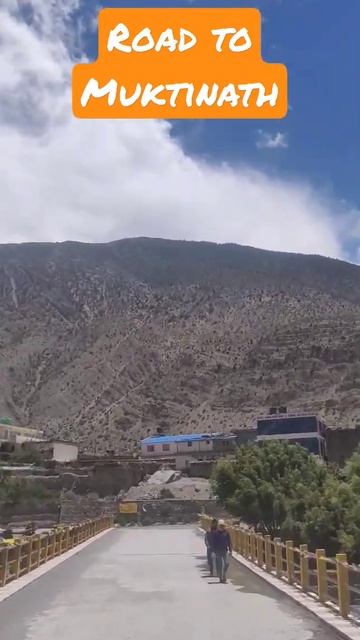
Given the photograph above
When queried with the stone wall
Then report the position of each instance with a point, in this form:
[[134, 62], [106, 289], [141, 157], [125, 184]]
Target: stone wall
[[169, 512], [77, 508], [201, 468], [105, 479]]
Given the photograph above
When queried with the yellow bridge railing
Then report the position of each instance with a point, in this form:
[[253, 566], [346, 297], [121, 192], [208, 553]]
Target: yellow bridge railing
[[334, 582], [24, 555]]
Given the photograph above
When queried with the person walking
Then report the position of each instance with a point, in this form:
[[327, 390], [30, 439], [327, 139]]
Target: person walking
[[222, 548], [209, 537]]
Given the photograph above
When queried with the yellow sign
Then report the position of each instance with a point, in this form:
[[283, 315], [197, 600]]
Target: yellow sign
[[128, 507]]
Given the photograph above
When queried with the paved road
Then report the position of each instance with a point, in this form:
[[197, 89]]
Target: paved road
[[151, 584]]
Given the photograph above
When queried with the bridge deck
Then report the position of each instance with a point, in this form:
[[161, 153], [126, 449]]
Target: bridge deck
[[151, 584]]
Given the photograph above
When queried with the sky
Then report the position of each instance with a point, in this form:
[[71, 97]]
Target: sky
[[287, 185]]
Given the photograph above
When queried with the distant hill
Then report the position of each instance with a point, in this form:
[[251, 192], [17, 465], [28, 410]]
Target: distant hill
[[104, 343]]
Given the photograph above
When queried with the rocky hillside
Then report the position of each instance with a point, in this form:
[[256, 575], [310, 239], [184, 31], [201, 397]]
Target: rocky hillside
[[104, 343]]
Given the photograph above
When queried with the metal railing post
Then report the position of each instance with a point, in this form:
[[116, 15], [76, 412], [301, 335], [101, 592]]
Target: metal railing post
[[38, 557], [29, 558], [232, 536], [290, 561], [268, 562], [304, 567], [3, 567], [321, 574], [242, 542], [260, 551], [247, 545], [67, 538], [252, 546], [342, 572], [53, 543], [46, 547], [278, 557], [238, 541], [17, 560]]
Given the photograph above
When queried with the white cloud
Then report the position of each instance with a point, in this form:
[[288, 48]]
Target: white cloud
[[268, 141], [63, 178]]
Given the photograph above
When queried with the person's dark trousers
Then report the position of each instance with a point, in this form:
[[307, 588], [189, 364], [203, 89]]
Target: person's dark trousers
[[222, 564], [210, 559]]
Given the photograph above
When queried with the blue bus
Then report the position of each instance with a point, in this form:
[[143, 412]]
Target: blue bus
[[300, 428]]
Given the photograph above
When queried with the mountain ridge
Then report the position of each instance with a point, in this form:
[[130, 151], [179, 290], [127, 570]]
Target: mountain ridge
[[105, 342]]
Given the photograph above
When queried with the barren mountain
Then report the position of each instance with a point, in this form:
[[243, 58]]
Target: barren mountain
[[104, 343]]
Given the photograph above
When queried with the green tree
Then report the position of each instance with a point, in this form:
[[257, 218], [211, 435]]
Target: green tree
[[25, 456], [14, 491], [270, 487], [281, 490], [349, 531], [326, 517], [334, 522]]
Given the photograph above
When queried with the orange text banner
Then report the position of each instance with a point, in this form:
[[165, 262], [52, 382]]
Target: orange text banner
[[179, 63]]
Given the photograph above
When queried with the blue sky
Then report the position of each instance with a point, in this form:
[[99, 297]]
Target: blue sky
[[302, 191], [319, 42]]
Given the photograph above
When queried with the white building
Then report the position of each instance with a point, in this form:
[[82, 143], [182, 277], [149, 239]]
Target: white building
[[17, 435], [186, 448], [64, 451], [58, 450]]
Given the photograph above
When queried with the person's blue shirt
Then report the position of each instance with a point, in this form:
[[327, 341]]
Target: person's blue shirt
[[221, 541], [209, 539]]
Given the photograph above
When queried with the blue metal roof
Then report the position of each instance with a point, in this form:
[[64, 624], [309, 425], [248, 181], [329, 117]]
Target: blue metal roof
[[194, 437]]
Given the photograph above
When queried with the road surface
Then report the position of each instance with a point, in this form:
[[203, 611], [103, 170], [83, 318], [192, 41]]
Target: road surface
[[152, 584]]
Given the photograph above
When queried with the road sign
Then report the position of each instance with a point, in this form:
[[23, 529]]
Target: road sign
[[128, 507]]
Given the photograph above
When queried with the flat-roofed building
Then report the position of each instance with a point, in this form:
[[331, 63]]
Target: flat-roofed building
[[62, 451], [305, 429], [17, 435], [185, 448]]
